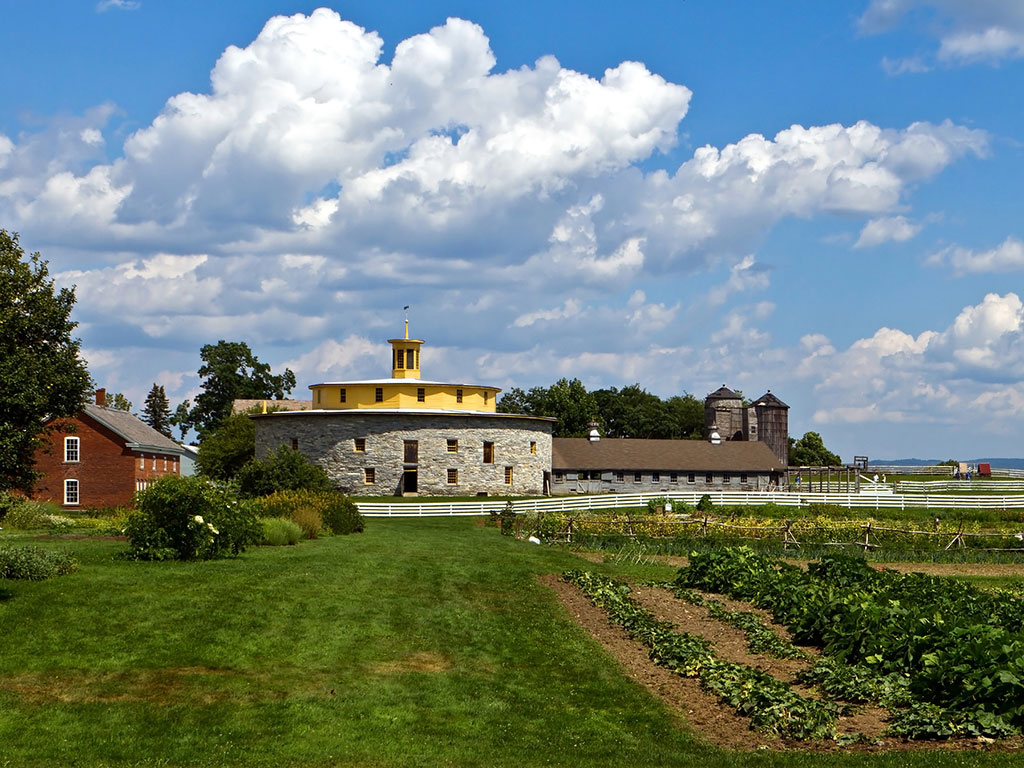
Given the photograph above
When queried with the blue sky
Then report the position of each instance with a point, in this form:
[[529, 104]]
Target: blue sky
[[821, 199]]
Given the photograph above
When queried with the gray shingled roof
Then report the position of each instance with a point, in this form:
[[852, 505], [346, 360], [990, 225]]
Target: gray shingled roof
[[137, 434], [770, 400], [723, 393], [577, 453]]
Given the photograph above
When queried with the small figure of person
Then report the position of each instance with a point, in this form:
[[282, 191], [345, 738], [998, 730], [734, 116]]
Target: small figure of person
[[883, 478], [875, 479]]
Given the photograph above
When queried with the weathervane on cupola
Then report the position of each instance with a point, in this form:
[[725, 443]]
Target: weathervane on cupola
[[405, 354]]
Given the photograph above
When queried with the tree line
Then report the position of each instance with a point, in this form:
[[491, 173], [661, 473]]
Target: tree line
[[628, 412]]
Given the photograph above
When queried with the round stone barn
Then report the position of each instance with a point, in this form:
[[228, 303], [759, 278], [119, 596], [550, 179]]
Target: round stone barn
[[407, 436]]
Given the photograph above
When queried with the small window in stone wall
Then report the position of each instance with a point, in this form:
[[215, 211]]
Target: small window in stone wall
[[452, 446], [691, 477], [533, 448], [709, 478], [726, 477], [360, 445], [369, 475], [581, 475], [638, 477], [295, 443], [453, 477], [488, 452], [620, 477], [559, 477], [508, 475], [673, 478], [656, 477], [743, 478]]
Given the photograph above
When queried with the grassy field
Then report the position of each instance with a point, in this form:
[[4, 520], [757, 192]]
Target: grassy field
[[418, 642]]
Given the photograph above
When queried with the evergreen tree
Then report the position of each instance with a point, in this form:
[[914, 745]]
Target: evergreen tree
[[157, 411], [119, 402]]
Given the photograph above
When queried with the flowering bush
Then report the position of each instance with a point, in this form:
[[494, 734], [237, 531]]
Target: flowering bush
[[313, 511], [190, 518]]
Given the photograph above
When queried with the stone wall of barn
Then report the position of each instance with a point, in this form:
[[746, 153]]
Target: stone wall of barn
[[365, 454]]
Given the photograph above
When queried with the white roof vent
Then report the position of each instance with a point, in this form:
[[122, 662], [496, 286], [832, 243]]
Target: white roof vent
[[714, 437], [595, 436]]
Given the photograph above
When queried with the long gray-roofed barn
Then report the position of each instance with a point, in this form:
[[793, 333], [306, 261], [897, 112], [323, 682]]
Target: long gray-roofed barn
[[581, 465]]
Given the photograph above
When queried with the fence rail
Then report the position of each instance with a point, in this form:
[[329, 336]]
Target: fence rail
[[865, 500], [960, 486]]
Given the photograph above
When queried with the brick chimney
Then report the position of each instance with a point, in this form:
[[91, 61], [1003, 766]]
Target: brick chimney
[[101, 397]]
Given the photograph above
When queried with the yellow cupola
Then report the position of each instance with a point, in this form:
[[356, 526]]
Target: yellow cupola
[[405, 356]]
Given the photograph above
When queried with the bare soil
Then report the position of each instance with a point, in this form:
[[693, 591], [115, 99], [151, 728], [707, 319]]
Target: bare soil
[[702, 712]]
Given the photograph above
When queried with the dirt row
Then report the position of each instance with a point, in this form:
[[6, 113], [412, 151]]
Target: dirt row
[[702, 712]]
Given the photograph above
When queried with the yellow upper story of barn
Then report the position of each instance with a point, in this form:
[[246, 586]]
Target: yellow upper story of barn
[[405, 390]]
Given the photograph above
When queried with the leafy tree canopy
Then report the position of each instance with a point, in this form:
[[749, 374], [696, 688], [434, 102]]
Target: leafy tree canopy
[[225, 449], [629, 412], [810, 451], [283, 470], [157, 411], [119, 401], [41, 372], [230, 371]]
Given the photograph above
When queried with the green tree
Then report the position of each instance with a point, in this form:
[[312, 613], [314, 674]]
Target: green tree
[[283, 470], [42, 375], [686, 414], [231, 371], [227, 448], [182, 418], [810, 451], [571, 404], [119, 402], [157, 411]]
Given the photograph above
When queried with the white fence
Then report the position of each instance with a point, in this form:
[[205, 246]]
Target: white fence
[[959, 486], [721, 498]]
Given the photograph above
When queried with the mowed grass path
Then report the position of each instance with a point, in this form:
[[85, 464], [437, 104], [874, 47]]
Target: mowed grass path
[[419, 642]]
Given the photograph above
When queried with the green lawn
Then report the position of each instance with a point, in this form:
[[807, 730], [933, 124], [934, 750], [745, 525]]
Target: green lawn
[[418, 642]]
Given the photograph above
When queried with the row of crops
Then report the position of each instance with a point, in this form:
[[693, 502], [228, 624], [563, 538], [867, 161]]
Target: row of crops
[[944, 658], [892, 538]]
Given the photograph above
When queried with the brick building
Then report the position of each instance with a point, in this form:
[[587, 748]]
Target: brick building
[[101, 457]]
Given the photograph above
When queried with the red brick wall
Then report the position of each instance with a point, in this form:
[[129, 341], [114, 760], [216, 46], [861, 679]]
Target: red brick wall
[[106, 471]]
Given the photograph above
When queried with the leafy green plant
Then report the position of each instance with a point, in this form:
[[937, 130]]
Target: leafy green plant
[[27, 514], [278, 532], [34, 564], [190, 518], [705, 504], [313, 511], [508, 520], [773, 706], [283, 470]]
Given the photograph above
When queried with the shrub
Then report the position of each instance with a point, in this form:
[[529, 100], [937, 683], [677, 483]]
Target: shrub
[[341, 515], [705, 504], [284, 470], [308, 518], [26, 514], [508, 520], [34, 564], [313, 510], [277, 532], [190, 518]]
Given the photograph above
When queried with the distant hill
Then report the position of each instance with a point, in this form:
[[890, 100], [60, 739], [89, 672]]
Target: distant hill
[[1002, 463]]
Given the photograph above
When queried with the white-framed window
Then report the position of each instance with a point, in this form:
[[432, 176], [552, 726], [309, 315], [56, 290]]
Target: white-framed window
[[656, 477], [72, 446], [70, 491], [165, 463], [154, 462], [638, 477], [142, 461]]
